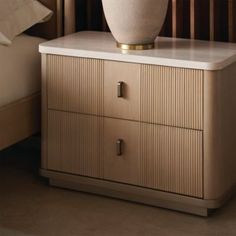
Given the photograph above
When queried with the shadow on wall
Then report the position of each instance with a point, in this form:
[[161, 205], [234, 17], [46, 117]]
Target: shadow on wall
[[89, 16], [201, 19]]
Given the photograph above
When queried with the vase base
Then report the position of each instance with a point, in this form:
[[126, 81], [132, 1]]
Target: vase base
[[135, 46]]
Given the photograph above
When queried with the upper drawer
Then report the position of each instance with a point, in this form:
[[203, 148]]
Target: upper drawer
[[172, 96], [154, 94], [122, 90], [75, 84]]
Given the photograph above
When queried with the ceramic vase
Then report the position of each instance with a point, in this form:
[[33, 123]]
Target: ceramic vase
[[135, 24]]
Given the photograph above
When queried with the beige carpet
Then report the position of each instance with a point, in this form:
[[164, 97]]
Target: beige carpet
[[28, 206]]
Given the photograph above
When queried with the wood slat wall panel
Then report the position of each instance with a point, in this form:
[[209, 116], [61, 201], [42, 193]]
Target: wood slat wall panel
[[201, 19], [75, 84], [181, 91], [171, 159], [75, 143]]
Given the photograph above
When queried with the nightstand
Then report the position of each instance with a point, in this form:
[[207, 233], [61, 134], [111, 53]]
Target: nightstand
[[155, 126]]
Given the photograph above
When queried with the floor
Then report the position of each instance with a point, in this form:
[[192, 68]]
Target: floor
[[28, 206]]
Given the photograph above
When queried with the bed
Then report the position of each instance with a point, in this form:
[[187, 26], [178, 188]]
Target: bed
[[20, 79]]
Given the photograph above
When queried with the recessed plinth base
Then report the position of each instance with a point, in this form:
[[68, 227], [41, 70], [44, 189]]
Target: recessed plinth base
[[135, 46], [147, 196]]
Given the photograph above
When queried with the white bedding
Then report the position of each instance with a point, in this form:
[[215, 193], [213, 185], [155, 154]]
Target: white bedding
[[19, 69]]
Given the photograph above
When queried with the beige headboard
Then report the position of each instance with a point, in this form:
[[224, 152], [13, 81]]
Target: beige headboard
[[53, 28]]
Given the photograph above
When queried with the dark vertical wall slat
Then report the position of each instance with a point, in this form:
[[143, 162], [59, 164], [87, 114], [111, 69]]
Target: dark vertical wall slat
[[200, 19], [220, 20], [89, 9], [177, 18], [181, 18], [232, 20], [104, 23], [81, 15], [89, 15], [186, 19], [167, 27]]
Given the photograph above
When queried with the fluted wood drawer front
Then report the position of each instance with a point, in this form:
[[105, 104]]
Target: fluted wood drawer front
[[75, 143], [154, 156], [122, 90], [121, 136], [75, 84], [171, 159], [172, 96]]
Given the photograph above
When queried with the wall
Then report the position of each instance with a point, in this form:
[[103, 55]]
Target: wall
[[200, 19]]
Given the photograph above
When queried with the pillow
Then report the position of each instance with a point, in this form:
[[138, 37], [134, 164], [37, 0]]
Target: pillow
[[16, 16]]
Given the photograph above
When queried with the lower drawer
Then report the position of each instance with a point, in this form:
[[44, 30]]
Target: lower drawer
[[153, 156], [75, 143]]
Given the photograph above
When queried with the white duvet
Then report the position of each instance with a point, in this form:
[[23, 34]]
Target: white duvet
[[19, 69]]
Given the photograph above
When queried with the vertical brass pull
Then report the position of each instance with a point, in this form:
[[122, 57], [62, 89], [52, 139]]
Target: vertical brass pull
[[120, 86], [119, 143]]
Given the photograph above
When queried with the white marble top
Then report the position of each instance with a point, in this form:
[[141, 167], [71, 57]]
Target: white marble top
[[174, 52]]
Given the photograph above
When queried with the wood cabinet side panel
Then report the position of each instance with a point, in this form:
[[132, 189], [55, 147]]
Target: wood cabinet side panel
[[172, 96], [219, 132], [44, 114]]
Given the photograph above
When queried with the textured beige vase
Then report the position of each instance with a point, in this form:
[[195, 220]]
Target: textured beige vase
[[135, 23]]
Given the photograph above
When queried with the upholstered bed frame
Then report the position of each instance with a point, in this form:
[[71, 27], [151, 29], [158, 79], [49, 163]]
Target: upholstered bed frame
[[21, 119]]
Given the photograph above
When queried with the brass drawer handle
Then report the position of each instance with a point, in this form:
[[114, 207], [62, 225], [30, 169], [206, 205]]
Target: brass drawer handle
[[120, 87], [119, 144]]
